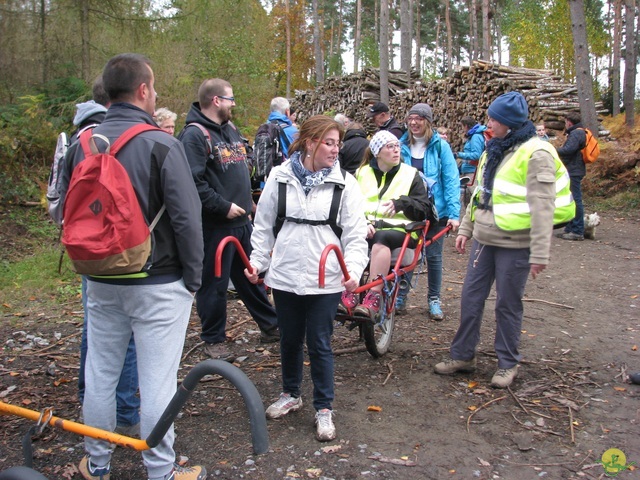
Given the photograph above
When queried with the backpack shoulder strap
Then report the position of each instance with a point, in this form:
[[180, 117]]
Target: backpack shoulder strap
[[129, 134], [335, 206], [205, 132], [281, 212]]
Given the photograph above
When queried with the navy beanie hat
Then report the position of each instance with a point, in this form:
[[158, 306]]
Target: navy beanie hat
[[510, 109]]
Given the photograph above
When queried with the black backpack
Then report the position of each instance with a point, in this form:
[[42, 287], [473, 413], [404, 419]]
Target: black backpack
[[267, 149]]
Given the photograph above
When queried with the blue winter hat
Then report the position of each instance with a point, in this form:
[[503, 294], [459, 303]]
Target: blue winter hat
[[510, 109]]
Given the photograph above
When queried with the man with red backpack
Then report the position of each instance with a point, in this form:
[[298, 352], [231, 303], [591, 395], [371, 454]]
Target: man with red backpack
[[571, 155], [153, 303]]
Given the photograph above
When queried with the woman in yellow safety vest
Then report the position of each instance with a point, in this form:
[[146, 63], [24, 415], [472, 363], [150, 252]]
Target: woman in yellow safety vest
[[394, 192], [523, 191]]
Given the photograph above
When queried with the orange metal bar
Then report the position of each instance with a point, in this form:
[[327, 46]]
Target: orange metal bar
[[217, 269], [323, 263], [74, 427]]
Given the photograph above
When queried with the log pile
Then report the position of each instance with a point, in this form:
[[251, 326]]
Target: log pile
[[468, 92]]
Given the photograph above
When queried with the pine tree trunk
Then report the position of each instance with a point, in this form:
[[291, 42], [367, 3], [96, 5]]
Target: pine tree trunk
[[405, 38], [317, 44], [287, 26], [630, 61], [356, 40], [384, 51], [615, 66], [447, 13], [584, 82], [486, 31], [418, 40]]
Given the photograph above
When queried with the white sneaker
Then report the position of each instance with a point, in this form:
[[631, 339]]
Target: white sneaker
[[285, 404], [325, 429]]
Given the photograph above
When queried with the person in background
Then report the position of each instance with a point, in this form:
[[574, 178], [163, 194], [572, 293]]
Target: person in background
[[155, 304], [222, 179], [343, 120], [290, 257], [280, 109], [541, 131], [571, 155], [394, 193], [511, 229], [423, 149], [379, 114], [166, 120], [355, 144], [473, 147], [443, 132], [293, 116]]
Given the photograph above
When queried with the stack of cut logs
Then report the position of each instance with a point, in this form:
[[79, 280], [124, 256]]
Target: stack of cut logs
[[468, 92]]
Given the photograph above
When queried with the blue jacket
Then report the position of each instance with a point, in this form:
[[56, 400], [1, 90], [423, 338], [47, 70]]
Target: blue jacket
[[473, 148], [288, 129], [439, 166]]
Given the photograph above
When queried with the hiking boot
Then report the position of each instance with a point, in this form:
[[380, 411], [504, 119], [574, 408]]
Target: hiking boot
[[348, 301], [285, 404], [272, 336], [571, 236], [187, 473], [91, 472], [450, 366], [504, 377], [129, 430], [325, 429], [370, 305], [219, 351], [435, 311]]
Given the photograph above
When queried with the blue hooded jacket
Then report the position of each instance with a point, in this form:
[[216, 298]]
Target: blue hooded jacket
[[440, 168], [289, 131], [473, 148]]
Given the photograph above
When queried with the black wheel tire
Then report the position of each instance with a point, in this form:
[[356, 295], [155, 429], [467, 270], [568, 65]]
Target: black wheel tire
[[377, 338]]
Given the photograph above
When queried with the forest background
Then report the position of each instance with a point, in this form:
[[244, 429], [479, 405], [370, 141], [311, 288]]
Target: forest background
[[52, 50]]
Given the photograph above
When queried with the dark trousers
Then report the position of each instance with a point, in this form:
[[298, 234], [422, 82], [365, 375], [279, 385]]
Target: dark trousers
[[309, 316], [509, 268], [211, 299], [577, 224]]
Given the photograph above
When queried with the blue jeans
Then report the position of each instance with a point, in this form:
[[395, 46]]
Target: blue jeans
[[127, 400], [309, 316], [577, 224], [434, 264]]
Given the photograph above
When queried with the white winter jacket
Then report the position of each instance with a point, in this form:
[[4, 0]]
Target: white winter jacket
[[292, 260]]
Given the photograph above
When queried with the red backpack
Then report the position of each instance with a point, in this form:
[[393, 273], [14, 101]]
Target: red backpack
[[104, 230]]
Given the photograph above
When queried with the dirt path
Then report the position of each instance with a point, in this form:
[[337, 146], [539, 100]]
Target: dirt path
[[567, 408]]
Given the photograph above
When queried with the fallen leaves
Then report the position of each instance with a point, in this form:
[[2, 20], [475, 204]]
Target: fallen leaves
[[393, 461], [374, 408]]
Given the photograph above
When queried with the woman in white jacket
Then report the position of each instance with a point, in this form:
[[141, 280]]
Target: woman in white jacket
[[288, 239]]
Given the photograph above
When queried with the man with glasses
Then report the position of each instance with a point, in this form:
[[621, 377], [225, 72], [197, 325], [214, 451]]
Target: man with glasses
[[217, 154]]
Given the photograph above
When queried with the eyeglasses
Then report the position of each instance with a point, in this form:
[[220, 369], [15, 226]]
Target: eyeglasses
[[331, 143], [415, 119], [392, 146], [231, 99]]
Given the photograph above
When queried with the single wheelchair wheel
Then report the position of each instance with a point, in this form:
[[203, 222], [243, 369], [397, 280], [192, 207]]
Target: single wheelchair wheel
[[377, 338]]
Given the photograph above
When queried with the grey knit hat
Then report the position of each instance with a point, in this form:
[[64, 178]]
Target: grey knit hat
[[423, 110]]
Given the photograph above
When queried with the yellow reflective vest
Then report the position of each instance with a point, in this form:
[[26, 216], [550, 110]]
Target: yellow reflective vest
[[400, 185], [509, 196]]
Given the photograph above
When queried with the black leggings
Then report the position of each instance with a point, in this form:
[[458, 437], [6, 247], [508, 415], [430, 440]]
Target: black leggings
[[391, 238]]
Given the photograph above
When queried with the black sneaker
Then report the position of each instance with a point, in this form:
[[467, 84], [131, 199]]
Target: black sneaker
[[272, 336]]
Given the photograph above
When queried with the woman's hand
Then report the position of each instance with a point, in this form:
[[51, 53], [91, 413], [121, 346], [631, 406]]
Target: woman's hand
[[388, 208], [350, 285], [252, 275], [371, 231], [461, 242]]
